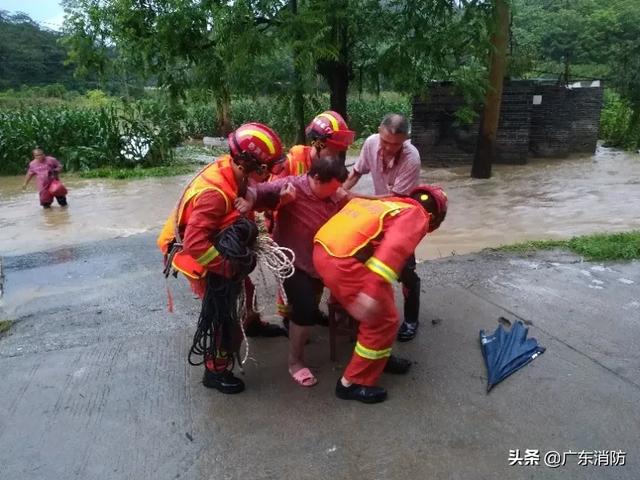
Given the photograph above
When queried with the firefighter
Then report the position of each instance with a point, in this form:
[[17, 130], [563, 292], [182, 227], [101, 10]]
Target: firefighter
[[359, 253], [204, 213], [328, 135]]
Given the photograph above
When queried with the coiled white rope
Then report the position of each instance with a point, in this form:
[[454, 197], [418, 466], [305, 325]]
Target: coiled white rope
[[279, 260]]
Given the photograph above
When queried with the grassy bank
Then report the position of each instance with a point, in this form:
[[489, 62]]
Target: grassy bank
[[614, 246], [185, 159], [5, 325], [139, 172]]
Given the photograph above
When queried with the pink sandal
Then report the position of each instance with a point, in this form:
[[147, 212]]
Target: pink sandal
[[304, 377]]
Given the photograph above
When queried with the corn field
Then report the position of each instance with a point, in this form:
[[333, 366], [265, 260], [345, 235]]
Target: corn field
[[84, 138], [277, 112]]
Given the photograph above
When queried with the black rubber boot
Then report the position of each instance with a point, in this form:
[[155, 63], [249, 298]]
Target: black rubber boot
[[361, 393], [397, 365], [224, 381]]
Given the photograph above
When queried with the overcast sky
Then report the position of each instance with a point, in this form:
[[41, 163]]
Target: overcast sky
[[48, 13]]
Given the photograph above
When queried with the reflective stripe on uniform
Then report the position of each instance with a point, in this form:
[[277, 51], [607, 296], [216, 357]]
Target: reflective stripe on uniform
[[382, 269], [208, 256], [371, 354]]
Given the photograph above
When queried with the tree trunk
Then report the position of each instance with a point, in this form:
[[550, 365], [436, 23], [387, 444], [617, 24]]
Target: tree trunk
[[298, 93], [486, 147], [298, 109], [337, 72], [339, 86], [223, 111], [337, 77]]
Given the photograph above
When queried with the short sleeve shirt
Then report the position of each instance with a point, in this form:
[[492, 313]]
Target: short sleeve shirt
[[401, 178], [43, 170]]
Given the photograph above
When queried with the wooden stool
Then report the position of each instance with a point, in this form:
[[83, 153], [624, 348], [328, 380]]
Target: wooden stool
[[340, 323]]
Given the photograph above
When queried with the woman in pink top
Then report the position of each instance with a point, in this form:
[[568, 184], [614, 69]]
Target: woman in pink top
[[304, 203], [45, 169]]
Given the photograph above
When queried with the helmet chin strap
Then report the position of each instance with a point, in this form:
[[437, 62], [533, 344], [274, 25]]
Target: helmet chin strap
[[247, 163], [318, 144]]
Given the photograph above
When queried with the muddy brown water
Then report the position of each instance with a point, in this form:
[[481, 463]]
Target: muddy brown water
[[545, 199]]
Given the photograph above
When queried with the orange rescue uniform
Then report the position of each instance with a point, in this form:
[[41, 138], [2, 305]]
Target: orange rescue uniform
[[390, 228], [205, 209], [298, 162]]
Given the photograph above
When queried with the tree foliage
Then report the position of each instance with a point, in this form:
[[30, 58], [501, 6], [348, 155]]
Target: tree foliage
[[286, 46], [583, 39], [295, 50], [29, 54]]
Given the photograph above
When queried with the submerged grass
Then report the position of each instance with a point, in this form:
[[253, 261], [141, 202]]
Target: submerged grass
[[613, 246]]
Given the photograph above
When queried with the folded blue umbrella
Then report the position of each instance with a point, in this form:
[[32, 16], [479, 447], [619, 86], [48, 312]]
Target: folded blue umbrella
[[506, 352]]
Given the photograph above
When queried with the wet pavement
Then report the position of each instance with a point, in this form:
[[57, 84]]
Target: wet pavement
[[95, 380]]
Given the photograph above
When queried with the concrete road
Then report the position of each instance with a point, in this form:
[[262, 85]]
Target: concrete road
[[94, 382]]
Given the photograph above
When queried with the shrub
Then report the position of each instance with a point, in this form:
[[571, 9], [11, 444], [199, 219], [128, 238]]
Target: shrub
[[619, 127]]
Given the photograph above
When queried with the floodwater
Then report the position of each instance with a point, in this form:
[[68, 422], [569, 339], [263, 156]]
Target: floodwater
[[545, 199], [98, 209]]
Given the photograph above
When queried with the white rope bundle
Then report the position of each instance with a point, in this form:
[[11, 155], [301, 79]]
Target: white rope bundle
[[276, 258], [279, 260]]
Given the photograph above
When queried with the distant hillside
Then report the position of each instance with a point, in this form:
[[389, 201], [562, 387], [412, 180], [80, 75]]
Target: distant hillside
[[30, 55]]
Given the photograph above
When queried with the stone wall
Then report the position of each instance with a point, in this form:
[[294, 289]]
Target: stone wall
[[512, 139], [434, 130], [586, 105], [535, 120], [549, 134]]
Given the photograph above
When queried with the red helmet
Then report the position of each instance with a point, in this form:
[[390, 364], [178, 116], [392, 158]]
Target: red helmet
[[256, 143], [330, 128], [434, 200]]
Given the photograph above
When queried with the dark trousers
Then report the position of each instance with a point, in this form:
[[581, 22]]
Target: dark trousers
[[411, 290], [302, 296], [62, 201]]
